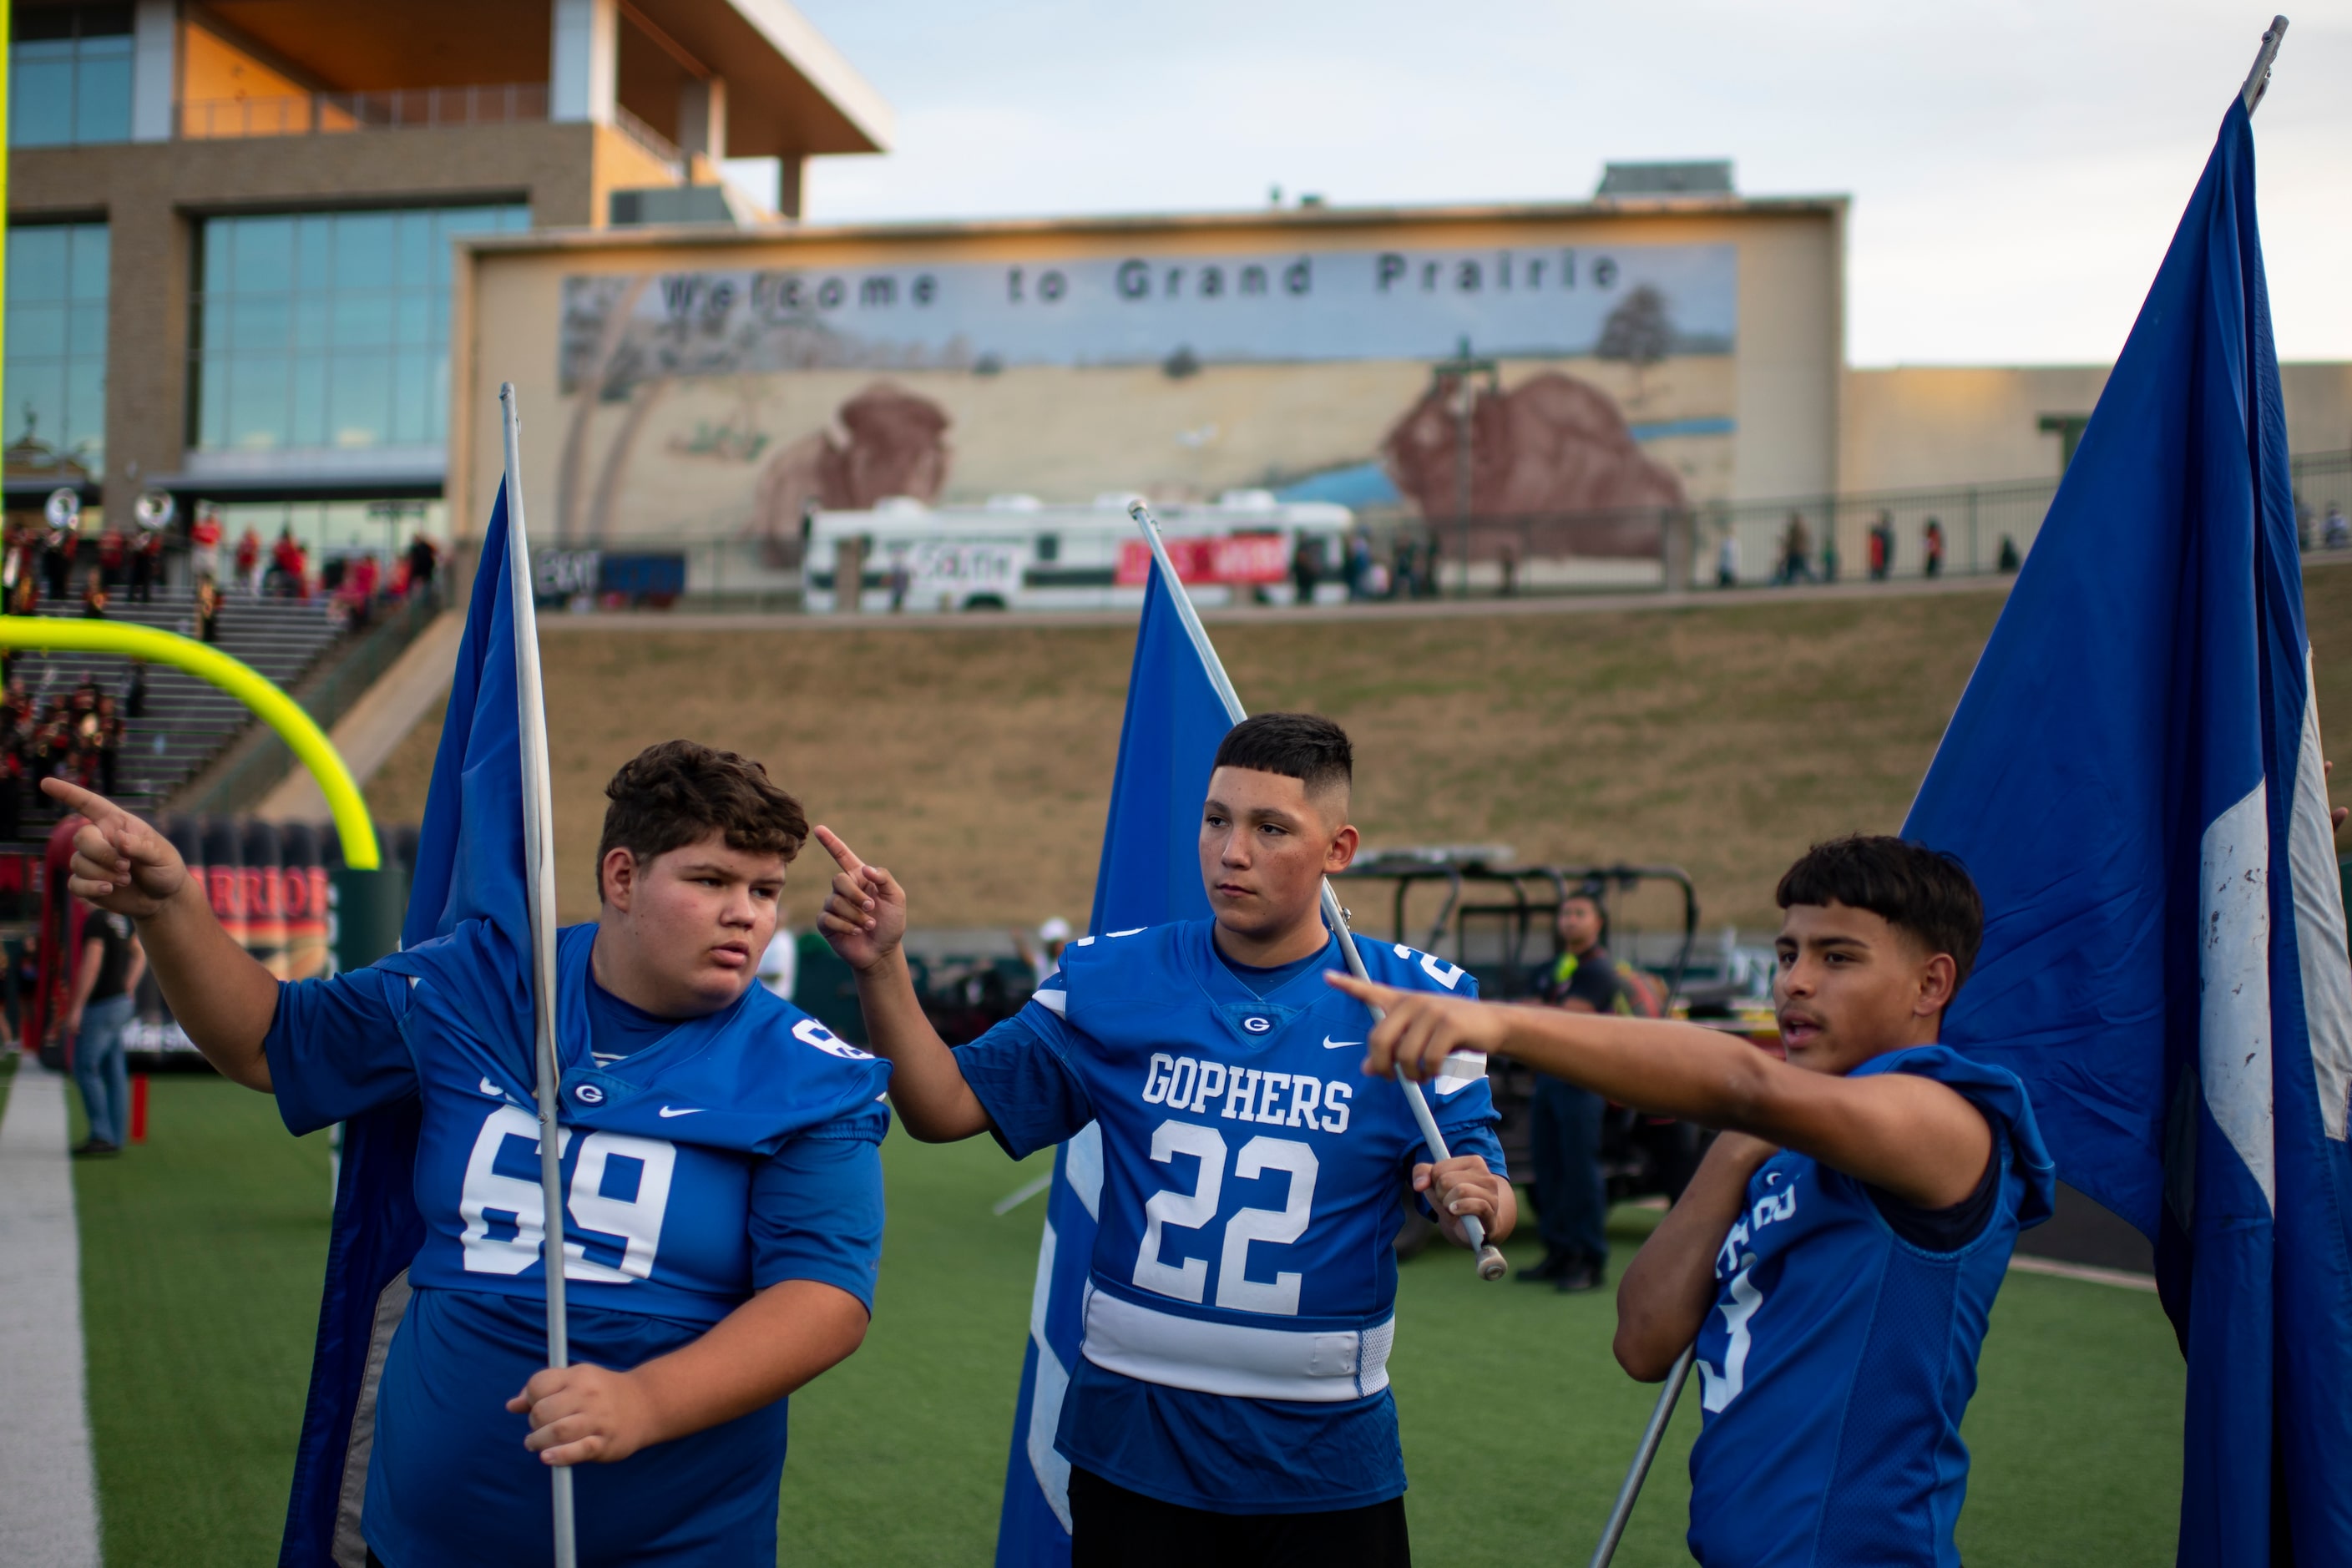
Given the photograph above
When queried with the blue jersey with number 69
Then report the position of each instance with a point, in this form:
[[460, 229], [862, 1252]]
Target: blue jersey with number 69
[[705, 1160], [1242, 1301]]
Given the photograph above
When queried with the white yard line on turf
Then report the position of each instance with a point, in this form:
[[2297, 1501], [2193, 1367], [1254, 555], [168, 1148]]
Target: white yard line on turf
[[48, 1500], [2121, 1279]]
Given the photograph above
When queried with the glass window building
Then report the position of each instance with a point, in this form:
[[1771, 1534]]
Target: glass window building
[[327, 330], [69, 76], [56, 375]]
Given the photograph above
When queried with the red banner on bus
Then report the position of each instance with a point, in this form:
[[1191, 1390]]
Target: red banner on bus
[[1236, 558]]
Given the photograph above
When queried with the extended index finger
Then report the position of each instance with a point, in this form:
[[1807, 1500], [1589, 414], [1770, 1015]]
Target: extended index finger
[[87, 803], [843, 854], [1379, 996]]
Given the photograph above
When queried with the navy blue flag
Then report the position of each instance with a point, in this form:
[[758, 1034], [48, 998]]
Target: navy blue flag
[[1149, 875], [469, 866], [2134, 778]]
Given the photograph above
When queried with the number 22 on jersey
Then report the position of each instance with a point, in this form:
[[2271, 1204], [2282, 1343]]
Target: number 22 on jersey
[[1188, 1281], [494, 1201]]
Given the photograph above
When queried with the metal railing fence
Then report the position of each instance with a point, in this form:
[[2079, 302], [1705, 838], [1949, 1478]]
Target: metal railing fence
[[330, 113]]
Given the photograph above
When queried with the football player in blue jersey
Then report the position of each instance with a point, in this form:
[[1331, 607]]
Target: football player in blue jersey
[[721, 1158], [1232, 1403], [1836, 1256]]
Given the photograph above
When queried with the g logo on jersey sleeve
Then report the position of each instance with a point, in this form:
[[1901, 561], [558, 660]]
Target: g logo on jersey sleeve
[[809, 1031]]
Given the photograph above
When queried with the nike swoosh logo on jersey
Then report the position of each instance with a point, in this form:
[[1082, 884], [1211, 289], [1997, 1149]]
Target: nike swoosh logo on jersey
[[1331, 1045], [669, 1110], [493, 1090]]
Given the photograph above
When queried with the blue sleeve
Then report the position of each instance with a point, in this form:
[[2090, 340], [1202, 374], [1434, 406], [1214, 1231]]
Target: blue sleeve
[[817, 1210], [335, 1047], [1020, 1071]]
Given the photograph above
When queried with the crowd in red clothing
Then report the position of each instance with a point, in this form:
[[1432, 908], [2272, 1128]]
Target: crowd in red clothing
[[77, 737]]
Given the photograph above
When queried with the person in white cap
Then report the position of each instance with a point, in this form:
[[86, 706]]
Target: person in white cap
[[1043, 955]]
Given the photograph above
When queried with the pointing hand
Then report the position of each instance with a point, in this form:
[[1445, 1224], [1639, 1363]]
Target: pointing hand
[[865, 915], [119, 863]]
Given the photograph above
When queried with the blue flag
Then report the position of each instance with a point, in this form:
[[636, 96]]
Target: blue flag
[[2133, 777], [1149, 875], [469, 865]]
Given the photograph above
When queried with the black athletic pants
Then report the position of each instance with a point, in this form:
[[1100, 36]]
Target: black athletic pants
[[1115, 1528]]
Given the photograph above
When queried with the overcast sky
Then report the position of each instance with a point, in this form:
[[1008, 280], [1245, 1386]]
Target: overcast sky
[[2016, 168]]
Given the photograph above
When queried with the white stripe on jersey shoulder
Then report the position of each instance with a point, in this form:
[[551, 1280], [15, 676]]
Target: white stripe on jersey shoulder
[[1109, 936], [1459, 1071], [1055, 1000]]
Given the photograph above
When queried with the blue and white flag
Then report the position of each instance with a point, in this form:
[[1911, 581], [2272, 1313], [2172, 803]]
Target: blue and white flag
[[469, 866], [1149, 875], [2134, 779]]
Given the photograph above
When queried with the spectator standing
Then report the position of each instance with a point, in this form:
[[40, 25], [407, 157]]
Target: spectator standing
[[111, 963], [56, 562], [1357, 568], [113, 556], [424, 559], [1931, 542], [1044, 954], [204, 543], [208, 605], [2335, 533], [248, 562], [1726, 562], [1306, 566], [289, 567], [93, 598], [109, 741], [1564, 1134], [1829, 552], [2009, 559], [1882, 547], [780, 963], [147, 565]]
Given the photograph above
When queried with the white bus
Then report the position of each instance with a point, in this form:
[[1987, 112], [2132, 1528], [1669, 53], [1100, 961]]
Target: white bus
[[1016, 553]]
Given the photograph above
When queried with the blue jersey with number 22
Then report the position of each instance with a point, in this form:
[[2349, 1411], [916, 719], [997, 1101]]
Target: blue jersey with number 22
[[1242, 1301]]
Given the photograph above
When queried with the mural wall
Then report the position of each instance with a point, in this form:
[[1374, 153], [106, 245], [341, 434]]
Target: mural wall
[[702, 403]]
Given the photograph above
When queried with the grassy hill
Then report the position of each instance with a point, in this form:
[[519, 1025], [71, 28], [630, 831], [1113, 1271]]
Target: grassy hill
[[976, 763]]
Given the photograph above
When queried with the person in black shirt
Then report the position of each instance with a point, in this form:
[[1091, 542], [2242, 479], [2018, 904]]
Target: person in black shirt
[[111, 963], [1570, 1198]]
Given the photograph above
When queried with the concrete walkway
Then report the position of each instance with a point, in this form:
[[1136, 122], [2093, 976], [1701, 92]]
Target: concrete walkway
[[48, 1494], [378, 721]]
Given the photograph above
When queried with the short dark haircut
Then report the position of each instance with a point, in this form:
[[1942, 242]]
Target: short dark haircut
[[677, 792], [1303, 746], [1921, 891]]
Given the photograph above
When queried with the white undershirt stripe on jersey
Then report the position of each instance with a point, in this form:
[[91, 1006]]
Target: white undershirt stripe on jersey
[[1307, 1365]]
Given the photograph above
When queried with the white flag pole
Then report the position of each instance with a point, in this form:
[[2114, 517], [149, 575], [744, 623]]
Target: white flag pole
[[1490, 1258], [538, 881]]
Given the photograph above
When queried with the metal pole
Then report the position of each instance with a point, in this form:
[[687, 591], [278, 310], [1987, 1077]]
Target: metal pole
[[1490, 1259], [2258, 81], [539, 873], [1639, 1471]]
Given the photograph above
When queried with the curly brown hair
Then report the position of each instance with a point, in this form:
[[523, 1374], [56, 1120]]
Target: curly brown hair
[[676, 792]]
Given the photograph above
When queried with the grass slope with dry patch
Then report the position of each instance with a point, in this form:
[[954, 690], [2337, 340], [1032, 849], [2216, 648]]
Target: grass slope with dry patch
[[977, 763]]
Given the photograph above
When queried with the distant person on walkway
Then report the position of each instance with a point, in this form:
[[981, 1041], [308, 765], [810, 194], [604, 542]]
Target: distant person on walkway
[[1796, 551], [1571, 1199], [1829, 553], [1931, 541], [111, 963], [289, 567], [2335, 533], [2009, 559], [1726, 562], [1882, 547], [1306, 567]]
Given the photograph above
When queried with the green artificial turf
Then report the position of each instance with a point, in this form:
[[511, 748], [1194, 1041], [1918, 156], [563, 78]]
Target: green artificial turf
[[201, 1252]]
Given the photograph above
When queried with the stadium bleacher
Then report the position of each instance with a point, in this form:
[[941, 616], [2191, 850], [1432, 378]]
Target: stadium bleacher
[[186, 721]]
